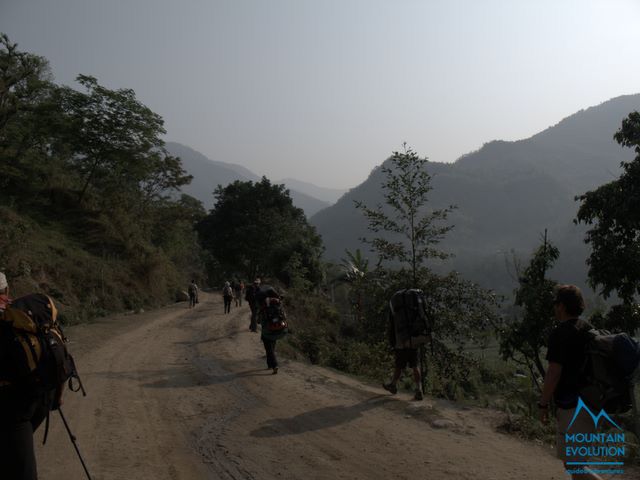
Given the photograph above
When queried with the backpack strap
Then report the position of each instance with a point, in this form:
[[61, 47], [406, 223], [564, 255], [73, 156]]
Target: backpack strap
[[20, 320], [32, 351]]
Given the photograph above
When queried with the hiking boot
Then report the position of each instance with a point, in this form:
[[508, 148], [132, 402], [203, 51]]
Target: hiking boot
[[275, 371], [418, 395], [390, 387]]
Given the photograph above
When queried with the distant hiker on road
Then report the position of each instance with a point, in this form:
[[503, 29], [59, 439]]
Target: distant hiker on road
[[193, 294], [407, 329], [273, 322], [34, 367], [562, 382], [238, 292], [250, 297], [227, 295]]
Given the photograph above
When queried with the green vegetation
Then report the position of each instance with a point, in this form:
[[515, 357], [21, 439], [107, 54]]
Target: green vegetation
[[254, 229], [613, 212], [414, 231], [88, 199], [355, 341], [523, 337]]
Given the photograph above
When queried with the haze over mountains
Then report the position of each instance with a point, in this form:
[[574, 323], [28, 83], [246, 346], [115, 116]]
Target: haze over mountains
[[208, 174], [507, 194]]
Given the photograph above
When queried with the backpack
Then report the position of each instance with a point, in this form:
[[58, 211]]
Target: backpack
[[276, 320], [40, 362], [611, 368], [227, 291], [412, 326]]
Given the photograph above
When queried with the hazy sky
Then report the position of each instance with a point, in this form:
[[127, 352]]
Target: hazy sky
[[325, 90]]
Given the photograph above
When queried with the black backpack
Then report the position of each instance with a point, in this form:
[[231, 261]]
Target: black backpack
[[38, 360], [610, 371], [275, 317], [412, 326]]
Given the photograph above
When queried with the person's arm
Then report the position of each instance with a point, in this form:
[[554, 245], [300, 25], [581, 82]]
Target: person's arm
[[551, 379]]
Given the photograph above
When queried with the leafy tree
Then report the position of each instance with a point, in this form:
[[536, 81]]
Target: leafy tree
[[417, 230], [254, 228], [26, 115], [524, 337], [461, 309], [613, 212], [22, 77], [117, 143]]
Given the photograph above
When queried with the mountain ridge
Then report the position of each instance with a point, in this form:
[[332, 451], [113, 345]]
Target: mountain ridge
[[208, 174], [508, 193]]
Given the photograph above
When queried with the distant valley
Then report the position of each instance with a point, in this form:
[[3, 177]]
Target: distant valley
[[208, 174], [507, 194]]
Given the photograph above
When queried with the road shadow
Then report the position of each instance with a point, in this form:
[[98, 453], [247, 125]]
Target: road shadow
[[317, 419], [228, 336], [180, 376], [182, 381]]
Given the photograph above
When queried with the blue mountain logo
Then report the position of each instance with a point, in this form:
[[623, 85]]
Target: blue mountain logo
[[596, 418]]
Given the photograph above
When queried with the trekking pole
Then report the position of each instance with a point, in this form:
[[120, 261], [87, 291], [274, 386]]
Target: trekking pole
[[75, 445]]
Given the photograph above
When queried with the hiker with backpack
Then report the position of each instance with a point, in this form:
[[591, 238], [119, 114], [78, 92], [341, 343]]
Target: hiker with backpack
[[34, 366], [193, 294], [227, 295], [408, 328], [250, 297], [273, 322], [564, 379]]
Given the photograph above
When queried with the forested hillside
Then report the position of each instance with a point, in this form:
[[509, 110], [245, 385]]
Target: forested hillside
[[88, 210], [507, 194]]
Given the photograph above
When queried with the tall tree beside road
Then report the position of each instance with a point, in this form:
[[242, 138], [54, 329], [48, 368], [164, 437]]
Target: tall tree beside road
[[408, 234], [412, 230], [117, 142], [255, 229], [613, 213]]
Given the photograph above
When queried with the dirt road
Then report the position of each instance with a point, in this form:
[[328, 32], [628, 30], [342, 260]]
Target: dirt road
[[185, 394]]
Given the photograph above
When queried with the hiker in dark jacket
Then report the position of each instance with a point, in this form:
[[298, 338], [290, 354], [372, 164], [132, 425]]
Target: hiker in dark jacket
[[272, 322], [562, 382], [250, 297], [21, 409]]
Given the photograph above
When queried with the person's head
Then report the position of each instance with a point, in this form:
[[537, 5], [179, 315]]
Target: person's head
[[256, 281], [4, 286], [226, 284], [193, 281], [568, 301]]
